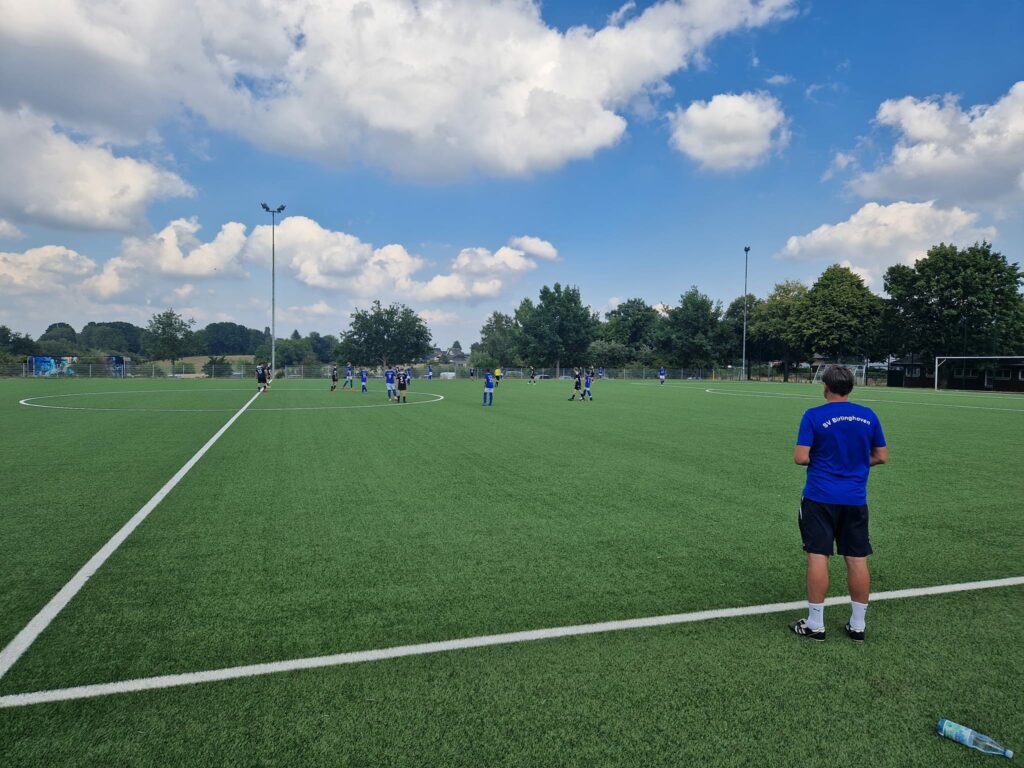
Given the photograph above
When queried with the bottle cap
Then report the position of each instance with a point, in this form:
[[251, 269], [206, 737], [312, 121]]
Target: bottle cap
[[1009, 754], [942, 724]]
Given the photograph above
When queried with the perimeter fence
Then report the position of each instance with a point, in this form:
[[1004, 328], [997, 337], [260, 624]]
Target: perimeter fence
[[244, 370]]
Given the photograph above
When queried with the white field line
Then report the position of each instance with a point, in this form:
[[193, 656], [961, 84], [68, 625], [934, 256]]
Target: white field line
[[359, 657], [29, 402], [786, 395], [27, 636]]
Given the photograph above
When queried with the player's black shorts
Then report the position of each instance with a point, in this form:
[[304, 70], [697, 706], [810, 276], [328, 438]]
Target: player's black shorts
[[401, 386], [822, 524], [577, 385]]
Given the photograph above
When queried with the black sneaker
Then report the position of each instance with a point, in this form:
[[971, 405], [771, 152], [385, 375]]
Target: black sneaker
[[857, 635], [799, 627]]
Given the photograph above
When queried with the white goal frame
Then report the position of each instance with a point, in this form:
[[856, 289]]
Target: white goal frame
[[940, 359]]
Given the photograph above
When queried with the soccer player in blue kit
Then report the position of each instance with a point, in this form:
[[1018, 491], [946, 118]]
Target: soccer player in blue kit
[[661, 374], [362, 379], [430, 373], [348, 377], [488, 388], [389, 382], [838, 442], [586, 386]]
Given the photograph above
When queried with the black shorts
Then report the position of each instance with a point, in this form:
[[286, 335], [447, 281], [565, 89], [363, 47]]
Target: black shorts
[[401, 386], [822, 524], [577, 386]]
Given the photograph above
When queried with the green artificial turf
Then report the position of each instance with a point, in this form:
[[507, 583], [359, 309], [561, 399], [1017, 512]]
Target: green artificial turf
[[313, 528]]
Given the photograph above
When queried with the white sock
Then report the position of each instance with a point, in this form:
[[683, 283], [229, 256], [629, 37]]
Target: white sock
[[816, 616], [857, 616]]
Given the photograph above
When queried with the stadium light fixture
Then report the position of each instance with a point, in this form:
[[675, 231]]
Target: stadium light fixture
[[273, 298], [746, 259]]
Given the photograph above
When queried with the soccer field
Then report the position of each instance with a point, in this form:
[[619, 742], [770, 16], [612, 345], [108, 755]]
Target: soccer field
[[322, 523]]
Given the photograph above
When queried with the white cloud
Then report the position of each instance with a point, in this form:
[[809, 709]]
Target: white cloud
[[615, 18], [48, 270], [731, 131], [184, 291], [534, 246], [438, 316], [951, 154], [54, 180], [9, 232], [426, 88], [779, 80], [840, 162], [173, 251], [878, 236]]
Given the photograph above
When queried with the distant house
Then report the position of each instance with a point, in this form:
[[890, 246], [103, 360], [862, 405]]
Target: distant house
[[990, 375]]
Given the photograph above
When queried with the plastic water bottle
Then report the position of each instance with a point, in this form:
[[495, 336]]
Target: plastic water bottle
[[971, 738]]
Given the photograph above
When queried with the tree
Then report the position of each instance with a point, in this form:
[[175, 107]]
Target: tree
[[61, 332], [559, 327], [772, 327], [322, 346], [295, 335], [690, 330], [128, 340], [14, 346], [103, 338], [456, 348], [217, 367], [610, 354], [167, 335], [839, 316], [499, 341], [729, 341], [957, 301], [632, 323], [394, 333], [231, 339]]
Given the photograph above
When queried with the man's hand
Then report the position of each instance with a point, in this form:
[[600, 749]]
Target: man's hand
[[802, 455], [879, 456]]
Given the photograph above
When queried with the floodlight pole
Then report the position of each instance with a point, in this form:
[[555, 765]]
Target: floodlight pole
[[746, 259], [273, 298]]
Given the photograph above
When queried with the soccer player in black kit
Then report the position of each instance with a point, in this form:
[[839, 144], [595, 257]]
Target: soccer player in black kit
[[403, 385], [334, 378]]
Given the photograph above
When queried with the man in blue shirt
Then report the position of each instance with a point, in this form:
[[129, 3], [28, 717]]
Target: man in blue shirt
[[389, 382], [838, 442], [488, 388], [586, 386], [430, 373], [348, 377], [362, 378], [661, 374]]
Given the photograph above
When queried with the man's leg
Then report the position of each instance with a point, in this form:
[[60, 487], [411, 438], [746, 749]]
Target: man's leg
[[858, 578], [817, 589]]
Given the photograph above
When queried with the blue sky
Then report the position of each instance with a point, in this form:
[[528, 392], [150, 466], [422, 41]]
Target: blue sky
[[417, 145]]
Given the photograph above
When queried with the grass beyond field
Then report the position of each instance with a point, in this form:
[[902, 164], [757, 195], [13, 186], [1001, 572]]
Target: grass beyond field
[[313, 527]]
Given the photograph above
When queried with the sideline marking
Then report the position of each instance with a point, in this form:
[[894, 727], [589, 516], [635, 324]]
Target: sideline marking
[[28, 401], [21, 642], [420, 649], [860, 400]]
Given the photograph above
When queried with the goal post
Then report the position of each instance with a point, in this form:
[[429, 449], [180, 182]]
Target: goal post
[[982, 371], [860, 372]]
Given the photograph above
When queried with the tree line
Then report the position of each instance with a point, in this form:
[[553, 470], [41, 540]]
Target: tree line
[[952, 301]]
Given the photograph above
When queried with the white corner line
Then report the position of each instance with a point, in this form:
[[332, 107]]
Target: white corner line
[[358, 657], [21, 642]]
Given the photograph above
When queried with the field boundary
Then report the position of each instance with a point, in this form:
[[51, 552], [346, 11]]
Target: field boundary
[[24, 639], [421, 649]]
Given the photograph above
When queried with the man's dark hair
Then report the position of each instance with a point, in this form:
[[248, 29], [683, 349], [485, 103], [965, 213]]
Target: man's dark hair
[[838, 379]]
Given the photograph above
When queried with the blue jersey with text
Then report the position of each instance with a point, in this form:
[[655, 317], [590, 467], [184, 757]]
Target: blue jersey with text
[[586, 381], [489, 381], [362, 376], [661, 371], [840, 436], [348, 371], [389, 376]]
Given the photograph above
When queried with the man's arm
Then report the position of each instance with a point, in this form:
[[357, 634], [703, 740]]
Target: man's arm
[[802, 455], [879, 455]]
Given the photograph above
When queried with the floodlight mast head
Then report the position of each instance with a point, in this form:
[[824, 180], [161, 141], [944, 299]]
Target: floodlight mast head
[[265, 207], [273, 301]]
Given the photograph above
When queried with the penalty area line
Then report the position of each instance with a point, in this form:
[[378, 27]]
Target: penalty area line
[[21, 642], [421, 649]]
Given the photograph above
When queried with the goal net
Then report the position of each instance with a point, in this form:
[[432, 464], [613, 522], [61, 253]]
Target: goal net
[[998, 373], [860, 372]]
